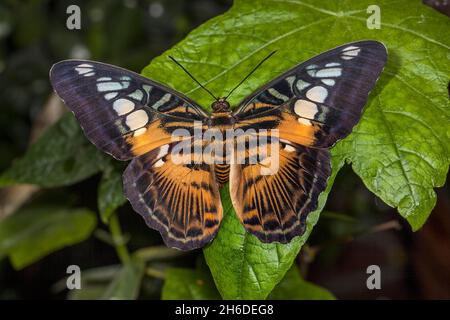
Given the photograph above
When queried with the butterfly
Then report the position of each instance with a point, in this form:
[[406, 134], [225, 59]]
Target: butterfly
[[310, 107]]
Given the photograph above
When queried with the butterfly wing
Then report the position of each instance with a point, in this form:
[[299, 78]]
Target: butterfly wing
[[319, 101], [273, 202], [179, 199], [312, 106], [121, 112], [131, 117]]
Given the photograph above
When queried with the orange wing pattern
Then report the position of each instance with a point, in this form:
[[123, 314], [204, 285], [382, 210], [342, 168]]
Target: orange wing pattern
[[181, 201], [273, 203]]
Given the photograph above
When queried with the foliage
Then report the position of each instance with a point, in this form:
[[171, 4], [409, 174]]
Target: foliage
[[32, 234], [399, 149]]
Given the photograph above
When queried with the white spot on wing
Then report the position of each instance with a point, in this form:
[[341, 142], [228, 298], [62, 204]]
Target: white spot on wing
[[111, 95], [104, 79], [317, 94], [165, 98], [159, 163], [329, 82], [123, 106], [136, 119], [277, 94], [302, 84], [139, 132], [109, 86], [86, 69], [289, 148], [350, 48], [138, 95], [329, 73], [311, 70], [305, 110], [350, 52], [333, 64]]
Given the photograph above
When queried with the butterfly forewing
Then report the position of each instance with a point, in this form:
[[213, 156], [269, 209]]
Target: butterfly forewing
[[122, 113], [319, 101]]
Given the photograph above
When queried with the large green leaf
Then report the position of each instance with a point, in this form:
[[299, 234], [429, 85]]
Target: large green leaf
[[110, 193], [294, 287], [34, 233], [399, 149], [62, 156], [188, 284]]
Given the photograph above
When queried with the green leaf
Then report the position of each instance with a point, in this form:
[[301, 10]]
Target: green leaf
[[62, 156], [189, 284], [127, 282], [294, 287], [110, 193], [29, 235], [400, 147]]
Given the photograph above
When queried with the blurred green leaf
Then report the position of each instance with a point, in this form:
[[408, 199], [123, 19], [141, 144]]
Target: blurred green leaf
[[31, 234], [293, 287], [189, 284], [126, 283], [400, 147], [110, 193], [61, 156]]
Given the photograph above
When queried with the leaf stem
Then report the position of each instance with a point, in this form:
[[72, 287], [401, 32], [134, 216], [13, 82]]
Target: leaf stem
[[155, 273], [157, 253], [119, 245]]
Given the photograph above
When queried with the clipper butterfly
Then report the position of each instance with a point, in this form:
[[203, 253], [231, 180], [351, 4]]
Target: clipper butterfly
[[311, 106]]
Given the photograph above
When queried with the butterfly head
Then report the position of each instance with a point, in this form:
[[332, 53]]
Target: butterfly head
[[221, 105]]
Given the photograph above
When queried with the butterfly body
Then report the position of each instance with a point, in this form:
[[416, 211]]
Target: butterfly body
[[273, 148]]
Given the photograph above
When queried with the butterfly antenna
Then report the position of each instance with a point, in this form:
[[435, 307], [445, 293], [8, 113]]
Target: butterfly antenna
[[193, 78], [250, 73]]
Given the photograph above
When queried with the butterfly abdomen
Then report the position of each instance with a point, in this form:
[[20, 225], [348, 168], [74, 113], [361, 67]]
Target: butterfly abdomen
[[222, 172]]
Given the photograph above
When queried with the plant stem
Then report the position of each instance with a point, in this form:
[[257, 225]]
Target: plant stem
[[119, 245], [155, 273], [158, 253]]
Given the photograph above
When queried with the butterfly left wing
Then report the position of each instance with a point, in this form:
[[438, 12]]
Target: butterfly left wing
[[178, 198], [121, 112], [311, 106]]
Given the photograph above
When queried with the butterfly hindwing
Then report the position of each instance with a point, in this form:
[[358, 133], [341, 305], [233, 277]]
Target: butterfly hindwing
[[319, 101], [121, 112], [179, 199], [273, 202]]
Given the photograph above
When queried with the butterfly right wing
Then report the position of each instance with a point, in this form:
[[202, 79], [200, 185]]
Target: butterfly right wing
[[178, 198], [121, 112]]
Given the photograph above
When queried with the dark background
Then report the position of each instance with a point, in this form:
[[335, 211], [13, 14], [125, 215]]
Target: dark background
[[355, 230]]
